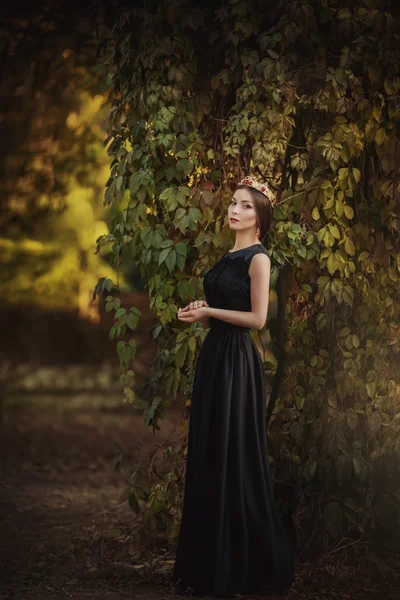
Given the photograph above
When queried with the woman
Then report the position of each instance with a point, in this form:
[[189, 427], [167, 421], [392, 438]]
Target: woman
[[231, 539]]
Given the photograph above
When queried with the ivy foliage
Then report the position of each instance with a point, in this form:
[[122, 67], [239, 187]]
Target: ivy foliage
[[306, 95]]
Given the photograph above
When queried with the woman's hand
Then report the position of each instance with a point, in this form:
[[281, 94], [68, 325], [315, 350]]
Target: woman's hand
[[194, 305], [195, 311], [198, 314]]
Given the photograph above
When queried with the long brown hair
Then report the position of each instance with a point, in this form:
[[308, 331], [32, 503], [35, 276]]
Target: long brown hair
[[264, 212]]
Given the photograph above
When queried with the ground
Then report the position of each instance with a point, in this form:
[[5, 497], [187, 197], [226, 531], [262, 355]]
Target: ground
[[64, 534]]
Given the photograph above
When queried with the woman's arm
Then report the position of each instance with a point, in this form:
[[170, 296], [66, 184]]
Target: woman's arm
[[259, 271]]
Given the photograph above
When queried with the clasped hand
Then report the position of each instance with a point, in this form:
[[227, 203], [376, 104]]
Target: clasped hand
[[195, 311]]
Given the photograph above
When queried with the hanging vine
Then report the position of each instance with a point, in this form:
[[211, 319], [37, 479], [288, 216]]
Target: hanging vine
[[306, 94]]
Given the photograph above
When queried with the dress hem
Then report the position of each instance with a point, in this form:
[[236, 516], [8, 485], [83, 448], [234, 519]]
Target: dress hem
[[261, 590]]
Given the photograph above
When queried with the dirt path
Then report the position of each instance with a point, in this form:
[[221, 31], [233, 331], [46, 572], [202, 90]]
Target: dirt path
[[64, 535]]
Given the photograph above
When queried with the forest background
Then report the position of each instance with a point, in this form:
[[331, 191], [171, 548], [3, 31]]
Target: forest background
[[127, 128]]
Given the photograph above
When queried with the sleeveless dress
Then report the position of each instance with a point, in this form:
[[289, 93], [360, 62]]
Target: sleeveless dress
[[231, 539]]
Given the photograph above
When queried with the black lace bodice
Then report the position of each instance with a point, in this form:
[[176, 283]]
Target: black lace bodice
[[227, 283]]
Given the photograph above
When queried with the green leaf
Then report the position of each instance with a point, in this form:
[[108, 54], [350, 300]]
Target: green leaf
[[108, 284], [184, 165], [334, 230], [132, 321], [170, 260], [315, 213], [349, 247], [357, 174], [163, 254], [348, 211]]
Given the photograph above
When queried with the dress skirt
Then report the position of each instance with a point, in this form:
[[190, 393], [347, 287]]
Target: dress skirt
[[231, 539]]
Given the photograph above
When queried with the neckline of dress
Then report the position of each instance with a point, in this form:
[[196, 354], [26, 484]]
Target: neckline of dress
[[252, 246]]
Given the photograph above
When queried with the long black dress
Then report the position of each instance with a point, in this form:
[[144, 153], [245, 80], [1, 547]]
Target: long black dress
[[231, 539]]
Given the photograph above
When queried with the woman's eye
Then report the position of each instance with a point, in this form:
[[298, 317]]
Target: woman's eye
[[245, 205]]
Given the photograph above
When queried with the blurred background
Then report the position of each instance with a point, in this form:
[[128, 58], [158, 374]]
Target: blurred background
[[71, 448], [64, 426], [54, 169]]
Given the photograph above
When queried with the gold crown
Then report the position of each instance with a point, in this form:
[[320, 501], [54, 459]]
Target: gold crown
[[261, 187]]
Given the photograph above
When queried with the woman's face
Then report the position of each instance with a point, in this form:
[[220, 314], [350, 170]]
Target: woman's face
[[243, 210]]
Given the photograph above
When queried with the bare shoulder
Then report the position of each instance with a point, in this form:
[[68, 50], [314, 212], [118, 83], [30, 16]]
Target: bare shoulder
[[259, 264]]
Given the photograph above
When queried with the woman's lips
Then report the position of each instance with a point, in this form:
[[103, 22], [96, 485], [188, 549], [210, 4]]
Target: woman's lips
[[235, 220]]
